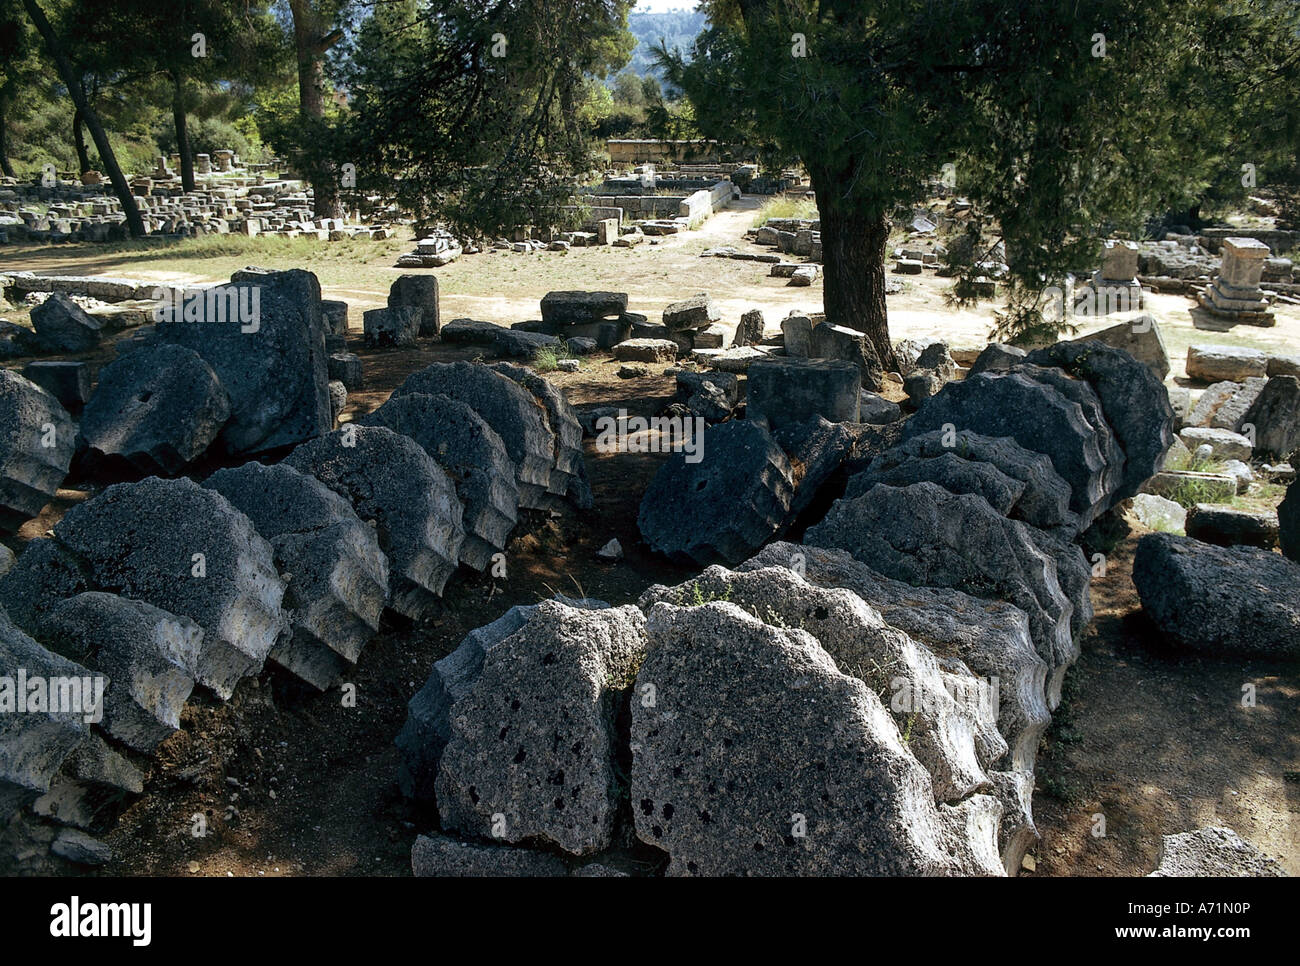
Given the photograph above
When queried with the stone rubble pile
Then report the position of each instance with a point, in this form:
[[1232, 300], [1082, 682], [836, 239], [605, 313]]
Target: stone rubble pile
[[159, 586], [868, 702]]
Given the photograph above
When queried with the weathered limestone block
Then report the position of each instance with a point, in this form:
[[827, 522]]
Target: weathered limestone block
[[1275, 414], [582, 308], [393, 327], [273, 366], [186, 550], [927, 536], [335, 573], [149, 656], [759, 757], [1141, 338], [37, 439], [723, 506], [785, 390], [1227, 527], [472, 455], [1219, 600], [849, 345], [1216, 363], [543, 705], [158, 408], [389, 479], [419, 292], [64, 326], [509, 409], [696, 312]]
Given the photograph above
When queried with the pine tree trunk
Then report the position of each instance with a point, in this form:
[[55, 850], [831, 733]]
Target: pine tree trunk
[[79, 141], [6, 168], [182, 136], [134, 223], [310, 44], [853, 266]]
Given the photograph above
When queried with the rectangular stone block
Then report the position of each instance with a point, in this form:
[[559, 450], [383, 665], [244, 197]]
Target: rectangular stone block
[[786, 391]]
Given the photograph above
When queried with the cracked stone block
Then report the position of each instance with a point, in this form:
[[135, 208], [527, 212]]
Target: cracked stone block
[[158, 408], [335, 574], [724, 505], [472, 455], [390, 480], [37, 440]]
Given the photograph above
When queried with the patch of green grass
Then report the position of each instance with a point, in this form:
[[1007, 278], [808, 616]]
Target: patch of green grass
[[783, 207]]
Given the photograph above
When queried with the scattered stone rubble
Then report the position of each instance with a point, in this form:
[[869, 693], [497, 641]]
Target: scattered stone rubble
[[944, 570]]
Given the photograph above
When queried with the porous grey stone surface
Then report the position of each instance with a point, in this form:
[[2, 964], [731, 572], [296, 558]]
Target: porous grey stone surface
[[427, 728], [924, 535], [696, 312], [158, 408], [67, 381], [273, 369], [1213, 853], [1133, 399], [948, 470], [37, 440], [1037, 417], [508, 408], [1216, 363], [724, 506], [1275, 414], [997, 357], [849, 345], [150, 657], [439, 855], [394, 327], [569, 478], [336, 575], [42, 575], [419, 292], [757, 756], [389, 479], [955, 742], [646, 350], [1044, 498], [1082, 394], [1231, 412], [750, 329], [1139, 337], [582, 308], [1219, 600], [34, 746], [186, 550], [816, 448], [334, 316], [1223, 444], [791, 390], [1228, 527], [64, 326], [990, 637], [472, 455], [532, 753]]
